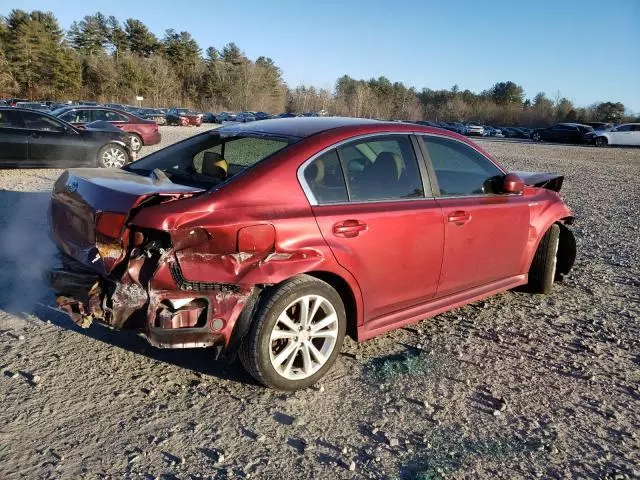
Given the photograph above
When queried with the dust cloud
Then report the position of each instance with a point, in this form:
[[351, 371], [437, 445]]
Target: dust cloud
[[25, 250]]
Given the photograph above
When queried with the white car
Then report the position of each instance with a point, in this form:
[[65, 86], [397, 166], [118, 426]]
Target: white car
[[473, 129], [625, 134]]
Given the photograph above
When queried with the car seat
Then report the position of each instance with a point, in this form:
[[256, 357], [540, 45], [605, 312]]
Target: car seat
[[214, 165]]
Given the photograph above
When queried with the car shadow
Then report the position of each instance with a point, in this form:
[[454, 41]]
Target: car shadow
[[26, 252]]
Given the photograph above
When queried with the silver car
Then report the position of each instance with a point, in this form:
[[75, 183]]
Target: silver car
[[473, 129]]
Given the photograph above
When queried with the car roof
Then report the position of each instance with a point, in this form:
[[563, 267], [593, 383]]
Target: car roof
[[90, 107], [300, 127], [24, 109]]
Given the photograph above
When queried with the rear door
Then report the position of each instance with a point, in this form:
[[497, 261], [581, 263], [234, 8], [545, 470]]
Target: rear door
[[635, 135], [382, 224], [52, 143], [485, 232], [14, 139]]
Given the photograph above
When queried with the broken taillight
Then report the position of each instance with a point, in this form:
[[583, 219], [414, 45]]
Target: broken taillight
[[110, 224]]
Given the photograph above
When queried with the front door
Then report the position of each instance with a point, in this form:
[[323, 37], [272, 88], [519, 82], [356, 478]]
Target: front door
[[51, 143], [379, 224], [485, 232]]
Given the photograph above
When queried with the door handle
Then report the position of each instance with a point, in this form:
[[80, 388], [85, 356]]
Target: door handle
[[34, 135], [349, 228], [459, 217]]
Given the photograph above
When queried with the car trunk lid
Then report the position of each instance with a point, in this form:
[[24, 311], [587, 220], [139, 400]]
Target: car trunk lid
[[90, 207]]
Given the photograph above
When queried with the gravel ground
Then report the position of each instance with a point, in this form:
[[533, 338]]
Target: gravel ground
[[518, 386]]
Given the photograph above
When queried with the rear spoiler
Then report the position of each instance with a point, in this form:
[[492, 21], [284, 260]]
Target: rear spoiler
[[550, 181]]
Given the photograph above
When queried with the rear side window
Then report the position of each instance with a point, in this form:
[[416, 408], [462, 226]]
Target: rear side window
[[326, 180], [77, 116], [381, 168], [7, 119], [624, 128], [461, 170]]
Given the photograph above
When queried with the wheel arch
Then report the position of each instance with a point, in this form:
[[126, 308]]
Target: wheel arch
[[347, 295], [567, 247]]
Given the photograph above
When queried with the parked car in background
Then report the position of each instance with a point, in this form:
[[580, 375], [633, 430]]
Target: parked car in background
[[509, 132], [262, 116], [156, 114], [562, 132], [599, 125], [286, 115], [474, 129], [490, 131], [208, 117], [42, 107], [12, 102], [426, 123], [522, 132], [32, 139], [225, 117], [626, 134], [141, 131], [203, 261], [245, 117], [183, 117]]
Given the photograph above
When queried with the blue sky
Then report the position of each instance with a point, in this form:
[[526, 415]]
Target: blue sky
[[586, 50]]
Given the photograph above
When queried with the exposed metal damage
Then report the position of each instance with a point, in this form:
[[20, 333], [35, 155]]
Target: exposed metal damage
[[172, 289]]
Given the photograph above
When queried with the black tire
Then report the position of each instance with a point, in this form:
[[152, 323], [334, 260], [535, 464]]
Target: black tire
[[112, 148], [255, 350], [136, 142], [536, 137], [543, 268], [600, 142]]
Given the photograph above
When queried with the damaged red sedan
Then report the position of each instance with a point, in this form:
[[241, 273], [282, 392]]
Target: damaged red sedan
[[277, 238]]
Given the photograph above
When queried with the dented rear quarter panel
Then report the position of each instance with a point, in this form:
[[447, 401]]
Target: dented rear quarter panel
[[268, 194]]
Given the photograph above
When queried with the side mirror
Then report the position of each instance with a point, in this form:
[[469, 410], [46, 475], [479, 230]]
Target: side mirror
[[512, 183]]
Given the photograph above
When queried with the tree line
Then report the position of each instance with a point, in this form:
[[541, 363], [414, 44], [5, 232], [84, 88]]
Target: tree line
[[101, 59]]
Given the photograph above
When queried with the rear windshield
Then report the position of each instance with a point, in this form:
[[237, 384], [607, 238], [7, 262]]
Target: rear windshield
[[209, 159]]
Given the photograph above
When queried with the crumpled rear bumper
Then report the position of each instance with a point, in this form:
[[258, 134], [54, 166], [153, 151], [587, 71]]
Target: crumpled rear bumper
[[168, 316]]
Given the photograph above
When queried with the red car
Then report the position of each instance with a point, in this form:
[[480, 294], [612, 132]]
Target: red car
[[183, 117], [143, 132], [277, 238]]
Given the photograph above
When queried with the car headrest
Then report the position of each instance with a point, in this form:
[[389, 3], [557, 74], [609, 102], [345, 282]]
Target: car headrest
[[214, 165], [387, 165]]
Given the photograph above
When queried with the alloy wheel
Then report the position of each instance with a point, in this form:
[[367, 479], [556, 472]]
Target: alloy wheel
[[303, 337], [114, 158], [136, 143]]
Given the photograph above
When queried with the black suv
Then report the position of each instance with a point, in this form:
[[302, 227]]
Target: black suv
[[562, 132]]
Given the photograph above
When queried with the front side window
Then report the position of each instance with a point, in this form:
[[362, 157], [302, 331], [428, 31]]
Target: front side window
[[624, 128], [34, 121], [461, 170], [381, 168], [77, 116], [326, 180]]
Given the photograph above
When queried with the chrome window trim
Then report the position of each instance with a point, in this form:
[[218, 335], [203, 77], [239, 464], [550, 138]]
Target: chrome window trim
[[314, 202], [307, 189]]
